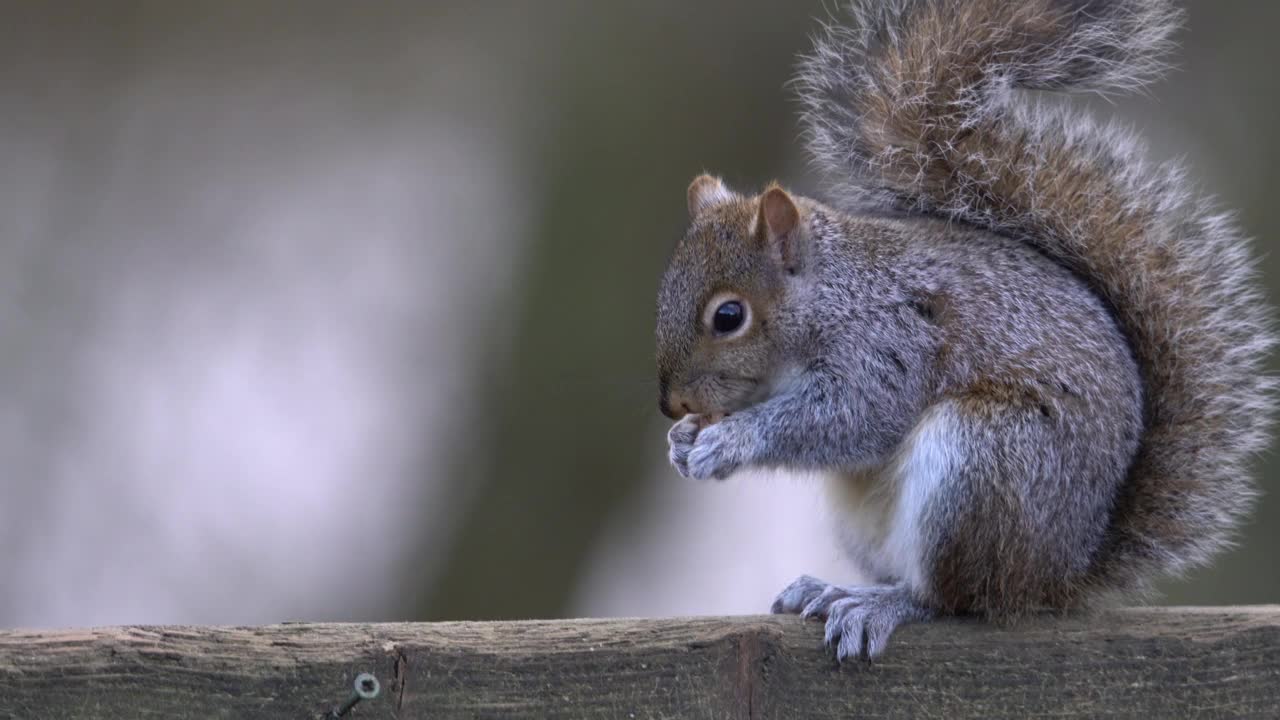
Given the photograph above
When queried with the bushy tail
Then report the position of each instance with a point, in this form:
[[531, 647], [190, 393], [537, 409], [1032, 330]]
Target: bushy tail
[[915, 104]]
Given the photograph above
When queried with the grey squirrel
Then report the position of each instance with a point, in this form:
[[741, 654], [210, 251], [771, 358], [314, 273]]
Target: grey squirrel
[[1028, 361]]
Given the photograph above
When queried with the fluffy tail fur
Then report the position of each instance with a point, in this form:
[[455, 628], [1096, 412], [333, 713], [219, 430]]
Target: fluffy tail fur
[[916, 105]]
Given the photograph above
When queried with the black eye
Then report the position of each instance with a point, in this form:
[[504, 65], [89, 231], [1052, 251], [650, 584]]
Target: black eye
[[728, 317]]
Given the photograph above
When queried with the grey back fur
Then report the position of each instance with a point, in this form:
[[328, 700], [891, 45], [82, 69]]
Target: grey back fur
[[915, 106]]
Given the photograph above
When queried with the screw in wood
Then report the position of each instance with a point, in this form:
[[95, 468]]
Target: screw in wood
[[366, 688]]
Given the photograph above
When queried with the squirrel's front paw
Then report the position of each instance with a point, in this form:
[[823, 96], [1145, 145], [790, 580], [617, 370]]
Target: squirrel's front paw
[[701, 451], [715, 456], [680, 440]]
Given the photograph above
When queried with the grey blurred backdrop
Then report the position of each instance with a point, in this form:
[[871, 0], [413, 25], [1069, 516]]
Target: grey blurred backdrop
[[336, 310]]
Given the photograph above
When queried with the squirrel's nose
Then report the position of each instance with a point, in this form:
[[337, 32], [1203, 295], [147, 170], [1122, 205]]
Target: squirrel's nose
[[674, 405]]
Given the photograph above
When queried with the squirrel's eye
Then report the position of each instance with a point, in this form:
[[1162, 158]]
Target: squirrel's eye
[[728, 317]]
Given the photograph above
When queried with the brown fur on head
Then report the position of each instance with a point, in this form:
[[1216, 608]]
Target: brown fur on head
[[737, 250]]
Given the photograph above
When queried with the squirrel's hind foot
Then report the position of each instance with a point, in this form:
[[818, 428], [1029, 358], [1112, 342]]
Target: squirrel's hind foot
[[859, 620]]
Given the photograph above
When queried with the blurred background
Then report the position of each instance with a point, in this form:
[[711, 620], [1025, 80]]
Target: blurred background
[[343, 311]]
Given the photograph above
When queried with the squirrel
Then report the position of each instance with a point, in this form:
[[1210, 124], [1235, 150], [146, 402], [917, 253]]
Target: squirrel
[[1027, 362]]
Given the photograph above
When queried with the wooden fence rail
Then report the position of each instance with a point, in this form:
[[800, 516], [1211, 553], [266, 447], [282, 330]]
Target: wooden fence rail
[[1157, 663]]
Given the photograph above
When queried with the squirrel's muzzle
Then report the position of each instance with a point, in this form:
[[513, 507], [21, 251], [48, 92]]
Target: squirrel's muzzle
[[674, 405]]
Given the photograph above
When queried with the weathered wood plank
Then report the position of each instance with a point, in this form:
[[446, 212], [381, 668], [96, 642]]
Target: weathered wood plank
[[1179, 662]]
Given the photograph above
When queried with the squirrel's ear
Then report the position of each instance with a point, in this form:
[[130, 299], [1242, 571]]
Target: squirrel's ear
[[706, 191], [779, 223]]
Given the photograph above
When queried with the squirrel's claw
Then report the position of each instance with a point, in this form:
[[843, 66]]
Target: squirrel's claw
[[796, 598], [859, 620], [859, 624]]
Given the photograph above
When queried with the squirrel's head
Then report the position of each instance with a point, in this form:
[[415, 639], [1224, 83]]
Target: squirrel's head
[[717, 332]]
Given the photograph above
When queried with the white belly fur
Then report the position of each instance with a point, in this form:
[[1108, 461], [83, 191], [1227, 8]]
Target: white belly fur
[[880, 510]]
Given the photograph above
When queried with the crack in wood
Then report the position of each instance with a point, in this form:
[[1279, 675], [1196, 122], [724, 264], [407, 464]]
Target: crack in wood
[[754, 648], [400, 678]]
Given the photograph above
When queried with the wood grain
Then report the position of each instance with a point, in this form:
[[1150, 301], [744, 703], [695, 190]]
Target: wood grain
[[1175, 662]]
